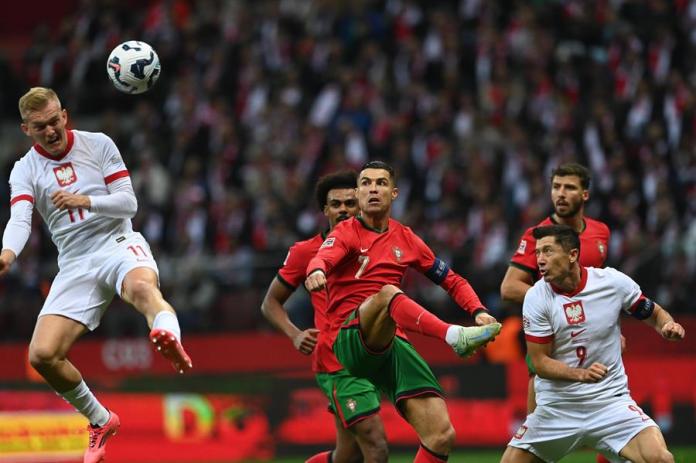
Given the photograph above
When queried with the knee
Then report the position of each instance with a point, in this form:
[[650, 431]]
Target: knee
[[139, 291], [377, 451], [374, 445], [386, 294], [442, 439], [41, 356]]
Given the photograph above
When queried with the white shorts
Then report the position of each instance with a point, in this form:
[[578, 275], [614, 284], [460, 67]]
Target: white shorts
[[553, 431], [84, 287]]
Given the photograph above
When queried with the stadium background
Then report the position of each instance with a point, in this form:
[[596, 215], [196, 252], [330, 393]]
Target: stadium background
[[473, 102]]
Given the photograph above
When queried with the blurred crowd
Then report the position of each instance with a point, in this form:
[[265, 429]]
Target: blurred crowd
[[473, 102]]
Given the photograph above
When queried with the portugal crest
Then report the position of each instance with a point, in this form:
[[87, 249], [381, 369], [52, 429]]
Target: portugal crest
[[602, 248], [397, 253]]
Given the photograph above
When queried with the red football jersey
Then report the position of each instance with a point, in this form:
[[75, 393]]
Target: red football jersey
[[292, 274], [358, 260], [594, 242]]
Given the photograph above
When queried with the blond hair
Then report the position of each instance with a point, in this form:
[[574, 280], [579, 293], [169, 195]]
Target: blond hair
[[35, 100]]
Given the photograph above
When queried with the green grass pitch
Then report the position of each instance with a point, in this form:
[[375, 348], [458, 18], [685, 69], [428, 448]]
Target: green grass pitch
[[681, 455]]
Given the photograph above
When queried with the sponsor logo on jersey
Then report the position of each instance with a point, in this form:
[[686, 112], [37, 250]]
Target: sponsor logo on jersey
[[328, 243], [65, 174], [520, 432], [397, 253], [351, 404], [574, 312], [522, 247]]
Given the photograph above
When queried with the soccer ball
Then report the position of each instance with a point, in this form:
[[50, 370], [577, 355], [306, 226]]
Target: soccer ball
[[133, 67]]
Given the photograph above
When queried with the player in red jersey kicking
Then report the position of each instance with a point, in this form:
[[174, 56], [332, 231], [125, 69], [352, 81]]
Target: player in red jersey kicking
[[570, 190], [571, 324], [81, 187], [353, 401], [361, 264]]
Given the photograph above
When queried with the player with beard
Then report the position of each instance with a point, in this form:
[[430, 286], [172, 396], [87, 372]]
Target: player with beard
[[571, 321], [362, 435], [570, 190]]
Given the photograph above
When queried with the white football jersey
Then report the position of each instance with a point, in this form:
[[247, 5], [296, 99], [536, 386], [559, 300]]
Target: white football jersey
[[583, 327], [89, 164]]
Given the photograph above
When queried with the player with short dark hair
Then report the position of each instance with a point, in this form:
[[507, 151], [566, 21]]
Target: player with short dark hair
[[570, 185], [571, 324], [359, 431], [361, 264]]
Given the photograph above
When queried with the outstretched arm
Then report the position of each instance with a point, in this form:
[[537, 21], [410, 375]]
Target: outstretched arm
[[550, 368], [274, 311], [515, 284]]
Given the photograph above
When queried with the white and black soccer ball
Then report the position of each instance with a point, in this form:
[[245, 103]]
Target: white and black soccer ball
[[133, 67]]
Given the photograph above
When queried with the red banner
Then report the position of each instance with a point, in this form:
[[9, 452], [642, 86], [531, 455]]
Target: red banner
[[117, 359]]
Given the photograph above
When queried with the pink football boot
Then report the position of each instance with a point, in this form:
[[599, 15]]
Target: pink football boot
[[98, 437], [167, 344]]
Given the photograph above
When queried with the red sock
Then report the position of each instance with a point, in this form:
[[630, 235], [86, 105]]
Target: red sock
[[409, 315], [602, 459], [323, 457], [426, 455]]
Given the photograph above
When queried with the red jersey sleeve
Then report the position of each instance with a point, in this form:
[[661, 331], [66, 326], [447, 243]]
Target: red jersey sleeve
[[525, 256], [292, 273], [439, 273], [334, 248]]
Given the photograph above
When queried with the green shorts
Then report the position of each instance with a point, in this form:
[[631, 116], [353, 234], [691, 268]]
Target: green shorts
[[530, 366], [353, 398], [398, 371]]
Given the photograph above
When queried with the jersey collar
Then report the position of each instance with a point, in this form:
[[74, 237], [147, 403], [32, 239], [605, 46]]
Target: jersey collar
[[578, 288], [362, 222], [556, 222], [68, 147]]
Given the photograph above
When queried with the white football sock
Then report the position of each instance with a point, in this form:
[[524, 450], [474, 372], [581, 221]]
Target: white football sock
[[452, 335], [86, 403], [167, 321]]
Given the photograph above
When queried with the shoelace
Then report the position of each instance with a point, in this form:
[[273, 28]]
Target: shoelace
[[93, 435]]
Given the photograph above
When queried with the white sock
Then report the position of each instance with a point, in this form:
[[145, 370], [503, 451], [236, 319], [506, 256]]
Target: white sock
[[452, 335], [84, 402], [167, 321]]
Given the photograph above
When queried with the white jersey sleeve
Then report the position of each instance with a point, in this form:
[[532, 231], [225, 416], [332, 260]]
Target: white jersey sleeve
[[121, 201], [627, 289], [535, 320], [18, 227]]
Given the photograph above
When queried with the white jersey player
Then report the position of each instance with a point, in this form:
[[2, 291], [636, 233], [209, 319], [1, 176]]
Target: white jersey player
[[571, 323], [80, 186]]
